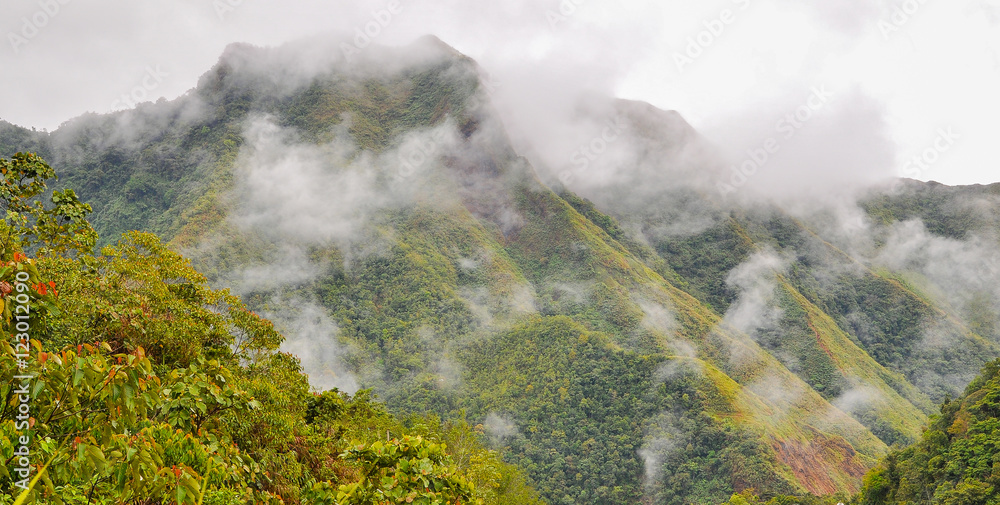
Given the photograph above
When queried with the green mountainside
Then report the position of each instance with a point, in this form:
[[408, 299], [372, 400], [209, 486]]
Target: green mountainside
[[128, 380], [616, 345], [956, 459], [955, 462]]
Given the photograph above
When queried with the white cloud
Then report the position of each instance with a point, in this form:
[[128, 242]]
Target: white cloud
[[940, 69]]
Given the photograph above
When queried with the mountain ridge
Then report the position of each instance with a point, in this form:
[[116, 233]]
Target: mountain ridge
[[469, 249]]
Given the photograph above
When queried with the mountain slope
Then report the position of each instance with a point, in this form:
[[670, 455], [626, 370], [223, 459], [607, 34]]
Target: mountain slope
[[955, 460], [649, 343]]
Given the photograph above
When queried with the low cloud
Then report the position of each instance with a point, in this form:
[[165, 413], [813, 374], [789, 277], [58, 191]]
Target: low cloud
[[311, 335], [328, 194], [961, 274], [500, 428], [755, 281]]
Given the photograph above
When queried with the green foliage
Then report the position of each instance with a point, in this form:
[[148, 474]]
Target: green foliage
[[889, 320], [750, 497], [14, 138], [138, 293], [114, 428], [935, 205], [212, 413], [581, 382], [28, 223], [615, 231], [705, 259], [411, 470], [587, 409], [957, 461]]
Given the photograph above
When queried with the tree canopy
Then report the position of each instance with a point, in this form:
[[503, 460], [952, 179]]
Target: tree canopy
[[151, 387]]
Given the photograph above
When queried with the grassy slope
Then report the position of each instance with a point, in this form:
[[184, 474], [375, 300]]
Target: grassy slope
[[896, 410], [809, 341], [800, 420], [385, 305], [955, 460], [882, 316]]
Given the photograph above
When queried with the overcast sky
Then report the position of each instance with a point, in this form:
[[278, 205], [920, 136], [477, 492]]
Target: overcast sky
[[930, 67]]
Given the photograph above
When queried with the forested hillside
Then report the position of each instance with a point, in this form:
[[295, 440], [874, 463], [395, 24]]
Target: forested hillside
[[144, 385], [956, 459], [628, 339]]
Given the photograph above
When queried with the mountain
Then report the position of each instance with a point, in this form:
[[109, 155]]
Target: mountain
[[624, 331], [136, 382], [955, 459]]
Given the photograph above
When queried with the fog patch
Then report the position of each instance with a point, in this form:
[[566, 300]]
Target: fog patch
[[756, 282], [311, 336], [291, 190], [674, 368], [448, 371], [963, 275], [859, 399], [500, 428]]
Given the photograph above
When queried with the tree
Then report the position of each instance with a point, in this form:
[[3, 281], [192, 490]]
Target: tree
[[151, 387], [28, 223], [408, 470]]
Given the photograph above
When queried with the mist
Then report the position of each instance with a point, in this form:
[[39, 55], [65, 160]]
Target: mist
[[812, 151], [395, 185]]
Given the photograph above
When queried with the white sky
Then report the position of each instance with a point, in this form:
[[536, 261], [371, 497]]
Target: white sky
[[940, 68]]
